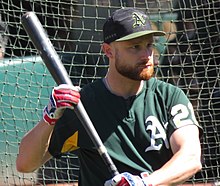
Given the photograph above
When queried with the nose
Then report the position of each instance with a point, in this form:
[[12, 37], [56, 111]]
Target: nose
[[147, 53]]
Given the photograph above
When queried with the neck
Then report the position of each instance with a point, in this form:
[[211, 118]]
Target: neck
[[124, 88]]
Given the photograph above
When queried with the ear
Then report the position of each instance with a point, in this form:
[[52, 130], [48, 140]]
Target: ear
[[107, 49]]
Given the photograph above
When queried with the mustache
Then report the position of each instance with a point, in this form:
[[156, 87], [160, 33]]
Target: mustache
[[144, 63]]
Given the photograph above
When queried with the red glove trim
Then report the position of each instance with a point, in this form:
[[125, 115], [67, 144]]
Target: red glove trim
[[47, 119]]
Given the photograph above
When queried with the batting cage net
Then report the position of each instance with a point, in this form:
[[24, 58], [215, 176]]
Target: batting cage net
[[188, 56]]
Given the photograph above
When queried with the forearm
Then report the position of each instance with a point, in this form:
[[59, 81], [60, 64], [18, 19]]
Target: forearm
[[33, 150], [176, 171]]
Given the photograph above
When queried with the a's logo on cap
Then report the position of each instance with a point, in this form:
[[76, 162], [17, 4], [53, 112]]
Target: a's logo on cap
[[138, 20]]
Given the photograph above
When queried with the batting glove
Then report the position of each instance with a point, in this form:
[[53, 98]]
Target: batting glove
[[62, 97], [127, 179]]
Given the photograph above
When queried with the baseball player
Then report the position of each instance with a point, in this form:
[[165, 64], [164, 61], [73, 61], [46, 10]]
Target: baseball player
[[148, 126]]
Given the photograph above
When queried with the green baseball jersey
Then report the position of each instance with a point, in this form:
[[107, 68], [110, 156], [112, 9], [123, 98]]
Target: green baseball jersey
[[135, 131]]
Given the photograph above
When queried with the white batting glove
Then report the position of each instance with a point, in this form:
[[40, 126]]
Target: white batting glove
[[127, 179], [144, 176], [62, 97]]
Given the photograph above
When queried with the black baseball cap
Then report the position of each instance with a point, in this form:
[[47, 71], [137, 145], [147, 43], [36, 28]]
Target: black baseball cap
[[126, 24]]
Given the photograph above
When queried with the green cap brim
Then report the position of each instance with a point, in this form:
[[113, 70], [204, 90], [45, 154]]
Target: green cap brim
[[141, 33]]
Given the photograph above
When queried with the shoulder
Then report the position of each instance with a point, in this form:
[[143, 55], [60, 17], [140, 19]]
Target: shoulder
[[92, 87], [166, 93], [92, 91], [162, 87]]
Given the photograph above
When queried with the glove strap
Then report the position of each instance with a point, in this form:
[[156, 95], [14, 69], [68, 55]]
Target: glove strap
[[47, 118]]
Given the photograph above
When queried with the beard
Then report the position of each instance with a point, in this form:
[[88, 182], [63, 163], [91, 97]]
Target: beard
[[138, 72]]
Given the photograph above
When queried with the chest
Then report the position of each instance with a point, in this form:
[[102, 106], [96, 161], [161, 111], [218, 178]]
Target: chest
[[140, 122]]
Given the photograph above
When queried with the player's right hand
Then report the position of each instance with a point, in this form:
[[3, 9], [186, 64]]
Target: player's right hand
[[62, 97], [126, 179]]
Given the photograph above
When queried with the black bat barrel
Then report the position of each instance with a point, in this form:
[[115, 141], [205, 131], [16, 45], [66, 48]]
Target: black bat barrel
[[53, 63], [45, 48]]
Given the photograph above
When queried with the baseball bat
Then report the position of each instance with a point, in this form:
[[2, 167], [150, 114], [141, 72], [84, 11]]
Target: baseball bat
[[41, 41]]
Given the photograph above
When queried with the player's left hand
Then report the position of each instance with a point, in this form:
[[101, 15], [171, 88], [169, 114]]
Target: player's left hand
[[62, 97], [127, 179]]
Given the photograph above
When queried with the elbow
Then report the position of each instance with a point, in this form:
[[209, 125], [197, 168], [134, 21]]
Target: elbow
[[23, 167], [195, 165], [198, 161], [198, 166], [28, 164]]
